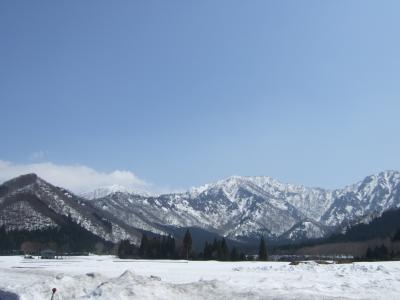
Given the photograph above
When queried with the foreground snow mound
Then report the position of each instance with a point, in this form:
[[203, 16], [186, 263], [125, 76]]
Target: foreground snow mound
[[109, 278], [126, 286], [132, 286]]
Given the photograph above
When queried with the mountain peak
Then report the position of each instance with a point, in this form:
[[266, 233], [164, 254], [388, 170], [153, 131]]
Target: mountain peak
[[107, 190], [22, 180], [30, 203]]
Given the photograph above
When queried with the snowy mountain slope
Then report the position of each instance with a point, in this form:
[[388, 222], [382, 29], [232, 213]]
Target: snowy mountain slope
[[235, 207], [112, 189], [28, 202], [134, 210], [306, 229], [372, 196], [239, 207]]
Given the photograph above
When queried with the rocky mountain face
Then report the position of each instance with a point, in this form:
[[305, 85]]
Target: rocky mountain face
[[370, 197], [246, 207], [30, 203], [112, 189], [239, 208]]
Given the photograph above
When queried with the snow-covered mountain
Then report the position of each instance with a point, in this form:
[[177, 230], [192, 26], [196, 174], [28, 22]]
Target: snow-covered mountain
[[370, 197], [28, 202], [240, 208], [245, 207], [104, 191]]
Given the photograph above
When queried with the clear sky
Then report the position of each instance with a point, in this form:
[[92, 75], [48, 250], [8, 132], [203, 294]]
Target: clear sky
[[182, 93]]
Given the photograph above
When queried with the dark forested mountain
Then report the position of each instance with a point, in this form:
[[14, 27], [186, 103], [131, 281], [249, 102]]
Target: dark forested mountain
[[376, 238], [385, 226]]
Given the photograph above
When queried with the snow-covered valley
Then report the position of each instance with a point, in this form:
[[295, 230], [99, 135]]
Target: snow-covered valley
[[106, 277]]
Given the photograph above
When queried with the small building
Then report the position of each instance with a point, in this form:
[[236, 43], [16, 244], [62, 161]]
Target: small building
[[48, 254], [251, 256]]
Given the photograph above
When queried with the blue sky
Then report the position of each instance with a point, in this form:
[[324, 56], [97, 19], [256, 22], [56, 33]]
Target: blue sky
[[182, 93]]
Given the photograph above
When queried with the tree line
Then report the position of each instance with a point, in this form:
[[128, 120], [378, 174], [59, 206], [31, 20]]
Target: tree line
[[383, 252], [72, 238], [166, 247], [62, 239]]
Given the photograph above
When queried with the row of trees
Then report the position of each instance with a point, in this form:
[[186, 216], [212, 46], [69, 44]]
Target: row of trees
[[156, 247], [219, 250], [166, 248], [396, 236], [381, 253], [63, 239], [385, 226], [152, 248], [74, 239]]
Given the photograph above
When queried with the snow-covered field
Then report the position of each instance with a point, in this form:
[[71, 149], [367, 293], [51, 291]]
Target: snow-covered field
[[105, 277]]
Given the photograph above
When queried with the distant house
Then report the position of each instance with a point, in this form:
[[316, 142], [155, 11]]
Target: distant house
[[251, 256], [48, 254]]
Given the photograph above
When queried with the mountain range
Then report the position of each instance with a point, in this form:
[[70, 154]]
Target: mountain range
[[239, 208]]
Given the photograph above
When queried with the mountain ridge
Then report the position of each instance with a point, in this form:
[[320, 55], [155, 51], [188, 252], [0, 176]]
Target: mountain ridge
[[239, 208], [251, 206]]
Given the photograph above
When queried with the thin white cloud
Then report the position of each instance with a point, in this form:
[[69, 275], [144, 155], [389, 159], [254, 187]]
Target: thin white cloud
[[38, 155], [77, 178]]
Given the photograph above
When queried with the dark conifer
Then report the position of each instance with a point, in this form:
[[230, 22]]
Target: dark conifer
[[144, 246], [396, 236], [262, 251], [369, 254], [234, 256], [207, 251], [242, 256], [224, 250], [125, 249], [171, 246], [187, 244]]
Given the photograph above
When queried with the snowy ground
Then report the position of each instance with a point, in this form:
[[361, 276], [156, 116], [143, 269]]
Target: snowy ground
[[105, 277]]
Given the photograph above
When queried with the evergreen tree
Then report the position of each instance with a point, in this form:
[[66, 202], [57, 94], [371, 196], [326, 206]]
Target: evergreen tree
[[155, 247], [224, 250], [125, 249], [144, 246], [379, 253], [207, 253], [205, 250], [396, 236], [262, 250], [383, 252], [234, 256], [242, 256], [219, 250], [187, 244], [171, 247], [369, 254], [215, 253]]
